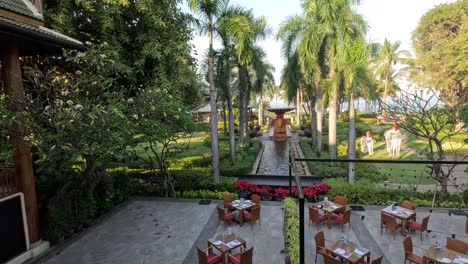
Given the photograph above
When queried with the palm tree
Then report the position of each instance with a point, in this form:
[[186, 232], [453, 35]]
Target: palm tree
[[389, 54], [234, 29], [262, 79], [214, 17], [208, 11], [355, 76], [246, 53], [324, 31]]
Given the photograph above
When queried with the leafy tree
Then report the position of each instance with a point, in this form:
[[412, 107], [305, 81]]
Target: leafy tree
[[441, 50], [388, 55], [432, 120], [6, 149], [76, 116], [150, 39], [161, 122]]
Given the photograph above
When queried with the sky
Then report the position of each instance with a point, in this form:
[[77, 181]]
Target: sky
[[394, 20]]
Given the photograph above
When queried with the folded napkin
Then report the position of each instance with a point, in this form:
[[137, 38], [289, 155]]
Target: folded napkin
[[217, 243], [233, 243], [334, 206], [460, 260], [445, 260], [340, 251], [358, 252]]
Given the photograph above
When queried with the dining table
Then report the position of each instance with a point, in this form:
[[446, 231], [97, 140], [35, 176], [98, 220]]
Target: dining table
[[401, 213], [349, 251], [329, 208], [241, 205], [225, 243], [444, 255]]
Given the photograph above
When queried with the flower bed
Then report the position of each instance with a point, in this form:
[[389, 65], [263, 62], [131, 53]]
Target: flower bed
[[245, 188]]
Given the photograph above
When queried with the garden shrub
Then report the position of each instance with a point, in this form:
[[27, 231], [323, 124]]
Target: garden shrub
[[205, 194], [367, 115], [291, 230], [202, 126], [366, 192]]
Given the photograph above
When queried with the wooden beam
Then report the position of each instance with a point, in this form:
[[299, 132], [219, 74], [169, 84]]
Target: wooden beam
[[21, 18], [13, 83]]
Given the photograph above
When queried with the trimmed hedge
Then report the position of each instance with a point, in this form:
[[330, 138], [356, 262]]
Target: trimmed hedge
[[291, 231], [205, 194], [366, 192]]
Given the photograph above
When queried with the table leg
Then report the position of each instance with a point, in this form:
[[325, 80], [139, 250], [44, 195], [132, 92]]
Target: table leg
[[329, 224], [241, 216], [403, 227]]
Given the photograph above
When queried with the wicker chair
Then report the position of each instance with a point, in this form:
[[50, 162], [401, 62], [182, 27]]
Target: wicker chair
[[253, 215], [343, 219], [341, 200], [421, 227], [244, 257], [409, 255], [256, 199], [410, 206], [329, 259], [319, 244], [206, 256], [457, 245], [389, 222], [225, 216], [315, 216], [227, 199]]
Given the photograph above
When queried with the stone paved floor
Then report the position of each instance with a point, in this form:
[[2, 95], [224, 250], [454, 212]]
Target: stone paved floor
[[167, 231]]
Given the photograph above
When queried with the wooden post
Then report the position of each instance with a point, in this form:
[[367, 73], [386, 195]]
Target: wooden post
[[13, 83]]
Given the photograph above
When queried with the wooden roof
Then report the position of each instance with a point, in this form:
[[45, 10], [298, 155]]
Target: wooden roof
[[20, 19]]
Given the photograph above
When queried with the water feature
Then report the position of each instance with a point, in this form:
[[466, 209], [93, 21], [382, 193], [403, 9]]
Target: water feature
[[275, 158]]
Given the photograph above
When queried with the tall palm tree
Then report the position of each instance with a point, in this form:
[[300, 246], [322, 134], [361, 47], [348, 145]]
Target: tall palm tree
[[208, 11], [355, 76], [389, 54], [262, 79], [246, 51], [213, 17], [235, 28]]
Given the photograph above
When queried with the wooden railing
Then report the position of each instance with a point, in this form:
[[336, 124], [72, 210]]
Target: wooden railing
[[7, 181]]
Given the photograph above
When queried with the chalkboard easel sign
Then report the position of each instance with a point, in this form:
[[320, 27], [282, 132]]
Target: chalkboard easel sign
[[14, 238]]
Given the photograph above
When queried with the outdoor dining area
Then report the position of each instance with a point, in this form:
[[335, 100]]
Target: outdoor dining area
[[221, 247], [394, 219]]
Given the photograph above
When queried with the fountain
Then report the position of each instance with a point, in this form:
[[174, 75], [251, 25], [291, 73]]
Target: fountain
[[279, 127]]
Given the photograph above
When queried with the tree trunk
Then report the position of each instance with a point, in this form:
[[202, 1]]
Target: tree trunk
[[241, 109], [232, 143], [214, 113], [22, 159], [224, 119], [260, 110], [332, 118], [313, 123], [298, 107], [319, 110], [384, 98], [246, 114], [351, 141]]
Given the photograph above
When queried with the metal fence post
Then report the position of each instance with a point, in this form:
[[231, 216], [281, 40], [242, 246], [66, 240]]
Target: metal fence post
[[301, 230], [290, 174]]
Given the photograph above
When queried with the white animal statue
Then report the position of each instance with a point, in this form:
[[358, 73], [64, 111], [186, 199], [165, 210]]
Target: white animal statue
[[393, 138], [367, 143]]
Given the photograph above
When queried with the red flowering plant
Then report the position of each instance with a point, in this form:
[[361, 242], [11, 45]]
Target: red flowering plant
[[242, 185], [310, 193], [281, 193], [265, 192], [254, 189], [322, 188]]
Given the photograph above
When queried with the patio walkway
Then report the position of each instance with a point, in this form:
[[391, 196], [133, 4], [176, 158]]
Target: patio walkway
[[166, 231]]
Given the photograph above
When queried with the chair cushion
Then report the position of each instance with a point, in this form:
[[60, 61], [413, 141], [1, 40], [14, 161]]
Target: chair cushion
[[414, 225], [213, 258], [247, 215], [235, 259], [323, 217], [229, 216], [338, 218]]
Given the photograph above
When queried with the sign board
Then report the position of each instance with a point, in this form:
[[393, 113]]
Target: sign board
[[14, 238]]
